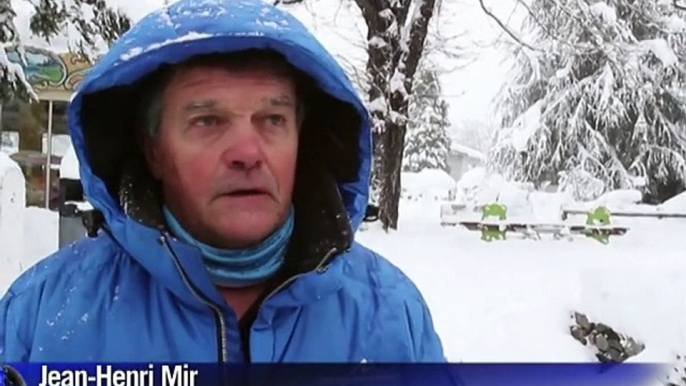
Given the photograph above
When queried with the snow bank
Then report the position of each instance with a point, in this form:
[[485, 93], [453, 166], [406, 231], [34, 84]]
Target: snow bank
[[432, 184], [619, 199], [675, 204], [12, 203]]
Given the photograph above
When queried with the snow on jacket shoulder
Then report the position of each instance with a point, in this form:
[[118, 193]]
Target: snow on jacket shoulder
[[134, 293]]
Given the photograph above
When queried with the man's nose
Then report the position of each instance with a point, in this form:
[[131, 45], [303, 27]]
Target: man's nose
[[245, 149]]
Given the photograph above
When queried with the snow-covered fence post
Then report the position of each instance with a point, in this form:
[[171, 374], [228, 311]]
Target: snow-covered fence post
[[12, 203]]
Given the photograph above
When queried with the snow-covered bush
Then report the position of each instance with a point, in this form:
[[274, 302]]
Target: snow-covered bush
[[431, 184], [582, 185]]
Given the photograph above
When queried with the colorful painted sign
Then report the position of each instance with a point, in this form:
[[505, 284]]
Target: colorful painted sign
[[48, 71]]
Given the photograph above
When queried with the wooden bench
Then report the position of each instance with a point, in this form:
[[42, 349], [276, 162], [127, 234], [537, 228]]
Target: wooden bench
[[658, 215]]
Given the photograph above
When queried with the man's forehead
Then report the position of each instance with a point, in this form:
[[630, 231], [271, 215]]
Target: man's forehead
[[190, 76], [235, 64]]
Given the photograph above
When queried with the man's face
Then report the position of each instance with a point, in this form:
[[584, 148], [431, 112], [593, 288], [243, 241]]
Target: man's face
[[226, 153]]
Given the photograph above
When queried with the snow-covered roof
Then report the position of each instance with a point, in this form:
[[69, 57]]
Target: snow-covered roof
[[457, 148]]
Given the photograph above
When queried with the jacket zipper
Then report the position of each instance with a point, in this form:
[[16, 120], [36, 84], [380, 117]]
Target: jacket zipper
[[320, 268], [218, 315]]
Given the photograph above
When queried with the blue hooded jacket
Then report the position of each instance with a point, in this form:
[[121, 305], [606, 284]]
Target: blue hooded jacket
[[134, 293]]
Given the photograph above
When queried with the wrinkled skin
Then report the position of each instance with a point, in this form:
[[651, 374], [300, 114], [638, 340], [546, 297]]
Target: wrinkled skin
[[226, 152]]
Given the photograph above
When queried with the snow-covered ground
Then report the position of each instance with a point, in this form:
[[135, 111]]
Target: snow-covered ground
[[512, 301]]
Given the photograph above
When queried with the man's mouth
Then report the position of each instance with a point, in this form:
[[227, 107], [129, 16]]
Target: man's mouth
[[246, 193]]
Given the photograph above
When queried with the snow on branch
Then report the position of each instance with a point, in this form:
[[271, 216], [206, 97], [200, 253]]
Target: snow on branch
[[504, 27], [14, 73], [608, 108]]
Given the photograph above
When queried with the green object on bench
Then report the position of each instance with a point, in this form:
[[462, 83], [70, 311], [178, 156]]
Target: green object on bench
[[600, 216], [494, 210], [498, 211]]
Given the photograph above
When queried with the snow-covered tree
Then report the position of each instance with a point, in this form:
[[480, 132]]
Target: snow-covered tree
[[598, 95], [396, 34], [96, 24], [427, 142]]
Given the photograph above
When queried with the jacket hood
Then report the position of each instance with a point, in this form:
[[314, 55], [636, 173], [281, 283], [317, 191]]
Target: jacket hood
[[100, 114]]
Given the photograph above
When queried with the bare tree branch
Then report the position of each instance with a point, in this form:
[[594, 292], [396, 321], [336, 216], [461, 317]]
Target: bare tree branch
[[504, 27]]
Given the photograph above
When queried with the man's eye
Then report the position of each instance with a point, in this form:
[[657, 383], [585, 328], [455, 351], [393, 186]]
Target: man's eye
[[276, 120], [206, 121]]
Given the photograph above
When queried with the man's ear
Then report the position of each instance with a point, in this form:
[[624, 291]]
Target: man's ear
[[152, 156]]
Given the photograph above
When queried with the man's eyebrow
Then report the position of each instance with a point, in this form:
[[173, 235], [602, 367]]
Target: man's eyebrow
[[200, 105], [280, 101]]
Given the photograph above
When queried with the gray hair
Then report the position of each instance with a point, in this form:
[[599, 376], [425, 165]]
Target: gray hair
[[152, 98]]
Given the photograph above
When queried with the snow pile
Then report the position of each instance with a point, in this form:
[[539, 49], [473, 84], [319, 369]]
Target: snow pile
[[41, 230], [621, 198], [546, 207], [12, 203], [581, 184], [431, 184], [675, 204], [478, 187]]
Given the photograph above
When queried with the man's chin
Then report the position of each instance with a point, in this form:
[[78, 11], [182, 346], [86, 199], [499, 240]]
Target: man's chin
[[245, 232]]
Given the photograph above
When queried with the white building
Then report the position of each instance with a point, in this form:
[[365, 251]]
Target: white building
[[462, 158]]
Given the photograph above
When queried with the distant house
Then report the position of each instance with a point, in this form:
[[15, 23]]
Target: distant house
[[462, 158]]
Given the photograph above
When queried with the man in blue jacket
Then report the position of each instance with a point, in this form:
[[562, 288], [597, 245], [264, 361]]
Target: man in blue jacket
[[230, 158]]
